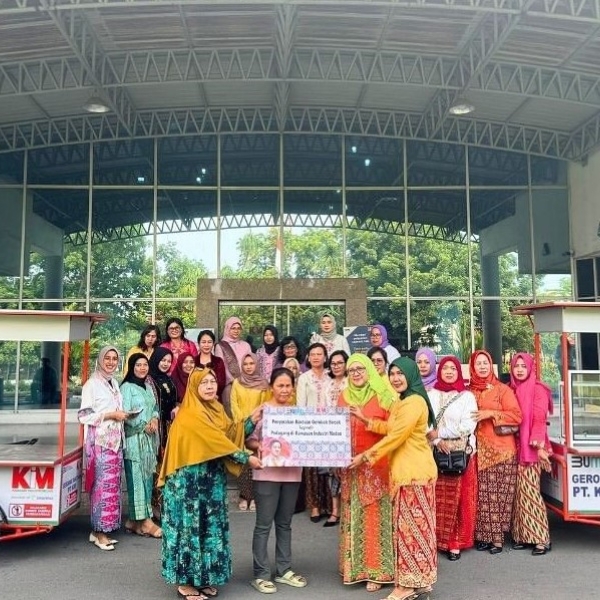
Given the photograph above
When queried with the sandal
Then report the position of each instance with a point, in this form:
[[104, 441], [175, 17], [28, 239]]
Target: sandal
[[373, 586], [195, 595], [290, 578], [210, 591], [155, 532], [263, 586], [409, 596], [243, 504]]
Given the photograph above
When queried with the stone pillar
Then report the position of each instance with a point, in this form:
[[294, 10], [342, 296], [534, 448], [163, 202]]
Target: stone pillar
[[490, 309]]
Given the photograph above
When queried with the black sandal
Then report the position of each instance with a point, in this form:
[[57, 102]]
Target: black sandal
[[332, 521]]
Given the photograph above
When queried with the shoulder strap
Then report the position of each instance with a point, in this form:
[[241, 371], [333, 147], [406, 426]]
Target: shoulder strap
[[445, 408]]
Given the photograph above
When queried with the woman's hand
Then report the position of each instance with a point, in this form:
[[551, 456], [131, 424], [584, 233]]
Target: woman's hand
[[152, 426], [356, 460], [118, 415], [256, 415], [432, 435], [482, 415], [443, 446], [544, 460], [255, 462], [357, 412], [174, 412]]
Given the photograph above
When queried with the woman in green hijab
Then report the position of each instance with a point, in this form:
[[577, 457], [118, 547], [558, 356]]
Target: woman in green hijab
[[413, 473], [366, 550]]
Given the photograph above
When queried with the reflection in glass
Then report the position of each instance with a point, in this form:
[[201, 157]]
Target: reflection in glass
[[373, 161], [187, 160], [251, 160], [312, 160]]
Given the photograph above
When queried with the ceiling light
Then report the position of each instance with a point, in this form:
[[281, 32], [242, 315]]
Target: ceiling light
[[367, 162], [461, 106], [97, 105]]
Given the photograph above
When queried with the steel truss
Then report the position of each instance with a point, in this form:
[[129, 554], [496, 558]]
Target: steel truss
[[473, 69], [578, 10], [396, 124]]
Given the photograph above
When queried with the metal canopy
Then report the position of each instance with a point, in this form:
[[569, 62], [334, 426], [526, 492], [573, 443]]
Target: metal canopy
[[383, 68]]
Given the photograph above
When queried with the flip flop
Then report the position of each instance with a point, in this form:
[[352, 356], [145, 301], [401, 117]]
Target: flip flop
[[210, 591], [196, 596]]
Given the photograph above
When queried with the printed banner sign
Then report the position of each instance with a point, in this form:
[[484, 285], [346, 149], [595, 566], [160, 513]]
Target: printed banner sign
[[295, 436]]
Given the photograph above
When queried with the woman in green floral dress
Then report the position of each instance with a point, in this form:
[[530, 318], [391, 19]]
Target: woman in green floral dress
[[203, 441]]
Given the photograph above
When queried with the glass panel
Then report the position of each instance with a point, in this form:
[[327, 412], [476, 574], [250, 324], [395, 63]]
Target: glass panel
[[249, 239], [550, 374], [314, 241], [187, 160], [312, 160], [11, 167], [373, 161], [585, 405], [496, 167], [381, 211], [11, 200], [434, 163], [183, 309], [548, 171], [187, 241], [58, 261], [443, 325], [585, 279], [8, 374], [121, 248], [551, 241], [392, 315], [250, 160], [59, 165], [124, 162], [438, 253]]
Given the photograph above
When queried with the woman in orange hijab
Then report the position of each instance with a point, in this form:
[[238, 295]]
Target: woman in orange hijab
[[203, 442]]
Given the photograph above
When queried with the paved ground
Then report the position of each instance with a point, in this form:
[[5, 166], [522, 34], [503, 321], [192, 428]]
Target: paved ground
[[63, 565]]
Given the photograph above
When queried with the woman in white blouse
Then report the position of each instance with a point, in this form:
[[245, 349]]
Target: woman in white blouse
[[102, 414], [456, 495]]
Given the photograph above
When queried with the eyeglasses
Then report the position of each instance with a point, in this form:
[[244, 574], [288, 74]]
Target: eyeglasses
[[290, 347], [375, 335], [357, 371], [174, 328], [207, 382], [339, 363]]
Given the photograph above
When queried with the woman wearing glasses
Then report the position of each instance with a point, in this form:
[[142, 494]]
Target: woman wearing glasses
[[289, 347], [366, 550], [203, 442], [176, 342]]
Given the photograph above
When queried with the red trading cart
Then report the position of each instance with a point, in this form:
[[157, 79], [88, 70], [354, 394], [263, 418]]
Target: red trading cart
[[40, 484], [572, 489]]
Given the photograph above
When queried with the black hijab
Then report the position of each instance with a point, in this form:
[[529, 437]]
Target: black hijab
[[157, 375], [270, 348], [130, 377]]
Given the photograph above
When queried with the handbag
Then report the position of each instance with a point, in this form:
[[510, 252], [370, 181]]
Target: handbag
[[454, 463], [506, 429], [457, 461]]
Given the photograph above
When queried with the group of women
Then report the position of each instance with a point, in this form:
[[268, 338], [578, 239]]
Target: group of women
[[182, 418]]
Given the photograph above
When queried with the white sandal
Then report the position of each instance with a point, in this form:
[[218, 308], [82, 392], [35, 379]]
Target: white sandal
[[263, 586]]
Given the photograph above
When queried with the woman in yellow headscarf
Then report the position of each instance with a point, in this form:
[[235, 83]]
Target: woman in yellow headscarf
[[203, 441]]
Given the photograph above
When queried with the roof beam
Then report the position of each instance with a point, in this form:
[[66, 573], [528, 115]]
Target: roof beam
[[396, 124], [78, 33], [576, 10], [286, 20], [305, 64], [492, 32]]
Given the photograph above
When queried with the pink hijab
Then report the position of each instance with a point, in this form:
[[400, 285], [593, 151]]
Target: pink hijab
[[527, 393]]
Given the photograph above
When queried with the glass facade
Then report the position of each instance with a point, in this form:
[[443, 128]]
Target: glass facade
[[448, 237]]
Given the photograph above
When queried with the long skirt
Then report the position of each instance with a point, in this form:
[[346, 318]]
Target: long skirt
[[494, 507], [456, 508], [414, 519], [530, 518], [366, 546], [245, 484], [317, 491], [139, 490], [196, 547], [105, 495]]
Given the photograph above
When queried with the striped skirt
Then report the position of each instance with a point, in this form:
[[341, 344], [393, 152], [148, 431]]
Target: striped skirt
[[415, 541], [530, 518]]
